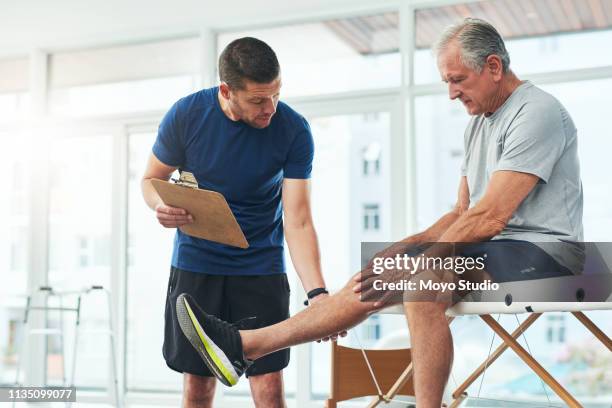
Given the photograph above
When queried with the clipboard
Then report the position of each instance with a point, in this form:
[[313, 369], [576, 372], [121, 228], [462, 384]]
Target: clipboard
[[213, 218]]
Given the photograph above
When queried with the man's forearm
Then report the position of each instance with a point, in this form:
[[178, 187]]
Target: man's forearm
[[473, 226], [430, 235], [149, 194], [304, 249], [434, 232]]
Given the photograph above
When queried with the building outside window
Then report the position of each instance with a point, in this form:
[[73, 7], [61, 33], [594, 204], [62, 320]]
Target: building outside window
[[371, 159], [371, 217]]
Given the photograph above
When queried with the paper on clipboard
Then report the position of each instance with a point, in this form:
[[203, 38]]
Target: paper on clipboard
[[213, 219]]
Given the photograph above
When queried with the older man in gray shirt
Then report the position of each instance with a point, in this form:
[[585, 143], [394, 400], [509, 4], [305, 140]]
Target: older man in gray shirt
[[520, 186], [532, 133]]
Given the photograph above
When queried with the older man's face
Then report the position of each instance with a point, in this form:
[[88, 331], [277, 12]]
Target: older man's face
[[474, 90]]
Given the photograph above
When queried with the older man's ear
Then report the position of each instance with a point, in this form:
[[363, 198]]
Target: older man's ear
[[495, 67]]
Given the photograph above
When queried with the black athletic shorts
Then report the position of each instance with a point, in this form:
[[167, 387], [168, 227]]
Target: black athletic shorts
[[509, 260], [230, 298]]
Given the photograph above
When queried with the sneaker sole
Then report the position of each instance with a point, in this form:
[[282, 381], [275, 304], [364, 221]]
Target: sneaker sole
[[213, 356]]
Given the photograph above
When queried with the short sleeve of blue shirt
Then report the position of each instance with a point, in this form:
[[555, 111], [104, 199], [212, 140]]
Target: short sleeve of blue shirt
[[300, 156], [168, 147]]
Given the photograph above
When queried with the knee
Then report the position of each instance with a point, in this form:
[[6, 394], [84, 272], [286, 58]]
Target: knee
[[198, 391], [271, 400], [267, 390], [426, 311]]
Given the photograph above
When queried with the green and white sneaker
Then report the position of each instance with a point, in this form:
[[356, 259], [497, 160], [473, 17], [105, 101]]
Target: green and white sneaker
[[216, 341]]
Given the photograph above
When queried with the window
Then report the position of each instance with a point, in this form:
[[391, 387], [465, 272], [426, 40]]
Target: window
[[14, 97], [150, 249], [371, 329], [13, 75], [371, 159], [338, 190], [149, 77], [556, 328], [80, 208], [359, 53], [14, 105], [130, 96], [371, 217], [13, 250], [586, 103], [84, 252], [439, 153], [550, 335]]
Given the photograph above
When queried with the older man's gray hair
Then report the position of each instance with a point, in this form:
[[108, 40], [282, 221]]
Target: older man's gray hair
[[477, 40]]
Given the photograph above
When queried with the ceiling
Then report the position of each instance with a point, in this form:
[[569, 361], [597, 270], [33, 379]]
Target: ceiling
[[513, 18], [64, 24], [67, 24], [519, 18]]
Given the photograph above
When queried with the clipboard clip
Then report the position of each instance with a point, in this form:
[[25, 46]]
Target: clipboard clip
[[186, 179]]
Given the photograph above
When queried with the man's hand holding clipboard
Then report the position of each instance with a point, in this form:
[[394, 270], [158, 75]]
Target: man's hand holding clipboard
[[172, 217], [199, 213]]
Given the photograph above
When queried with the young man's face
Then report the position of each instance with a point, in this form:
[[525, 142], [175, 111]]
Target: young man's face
[[255, 103], [475, 90]]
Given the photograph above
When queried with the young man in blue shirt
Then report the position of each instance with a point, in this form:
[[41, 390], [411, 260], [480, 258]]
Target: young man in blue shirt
[[238, 139]]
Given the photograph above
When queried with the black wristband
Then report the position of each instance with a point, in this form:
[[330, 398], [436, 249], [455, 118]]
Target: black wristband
[[314, 293]]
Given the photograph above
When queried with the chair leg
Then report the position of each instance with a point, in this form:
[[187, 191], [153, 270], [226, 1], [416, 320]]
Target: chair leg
[[457, 400], [330, 403], [531, 362], [375, 402], [399, 383], [403, 379], [494, 356], [594, 329]]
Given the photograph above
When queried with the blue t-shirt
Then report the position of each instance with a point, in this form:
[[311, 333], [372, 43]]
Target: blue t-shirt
[[246, 165]]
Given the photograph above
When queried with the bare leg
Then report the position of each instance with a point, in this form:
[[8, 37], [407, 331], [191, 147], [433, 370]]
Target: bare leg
[[198, 392], [432, 350], [267, 390], [331, 315], [431, 337]]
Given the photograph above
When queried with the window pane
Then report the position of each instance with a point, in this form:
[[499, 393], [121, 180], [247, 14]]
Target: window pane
[[439, 151], [540, 36], [14, 75], [13, 251], [149, 251], [14, 106], [340, 191], [121, 97], [588, 104], [124, 63], [80, 206], [333, 55], [127, 78]]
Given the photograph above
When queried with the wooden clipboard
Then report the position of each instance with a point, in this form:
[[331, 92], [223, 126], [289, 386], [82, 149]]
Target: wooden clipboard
[[213, 218]]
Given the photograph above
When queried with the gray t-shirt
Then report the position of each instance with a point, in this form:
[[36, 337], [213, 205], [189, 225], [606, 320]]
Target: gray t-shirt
[[532, 133]]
